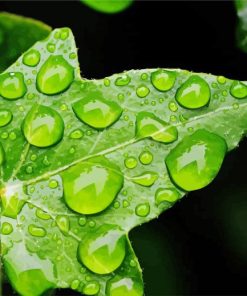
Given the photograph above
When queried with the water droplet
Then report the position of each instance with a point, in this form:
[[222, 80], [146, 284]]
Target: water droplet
[[90, 188], [196, 160], [63, 223], [75, 284], [163, 80], [130, 162], [144, 76], [116, 205], [107, 82], [142, 210], [235, 106], [31, 58], [53, 184], [64, 33], [124, 286], [12, 136], [42, 215], [4, 135], [148, 125], [51, 47], [146, 157], [36, 231], [194, 93], [145, 179], [142, 91], [97, 113], [221, 79], [5, 117], [82, 221], [173, 106], [91, 288], [12, 85], [125, 203], [72, 55], [123, 80], [55, 75], [29, 169], [76, 134], [103, 250], [238, 90], [6, 228], [43, 126], [166, 194]]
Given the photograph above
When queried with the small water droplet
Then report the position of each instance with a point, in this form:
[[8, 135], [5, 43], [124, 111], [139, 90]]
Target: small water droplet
[[97, 113], [64, 33], [142, 91], [194, 93], [163, 80], [51, 47], [119, 286], [145, 179], [142, 210], [173, 106], [6, 228], [107, 82], [63, 223], [31, 58], [53, 184], [4, 135], [238, 90], [144, 76], [43, 126], [5, 117], [91, 288], [130, 162], [55, 75], [76, 134], [148, 125], [82, 221], [36, 231], [166, 194], [103, 250], [72, 55], [196, 160], [12, 136], [75, 284], [42, 215], [12, 85], [123, 80], [125, 203], [221, 79], [146, 157], [29, 169], [90, 188]]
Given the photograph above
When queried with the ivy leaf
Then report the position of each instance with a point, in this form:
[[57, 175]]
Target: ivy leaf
[[108, 6], [17, 34], [85, 161]]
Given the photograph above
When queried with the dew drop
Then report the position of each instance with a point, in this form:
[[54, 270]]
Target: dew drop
[[221, 79], [103, 250], [12, 136], [97, 113], [76, 134], [51, 47], [163, 80], [43, 126], [146, 157], [124, 286], [166, 194], [55, 75], [142, 91], [82, 221], [90, 188], [75, 284], [123, 80], [36, 231], [173, 106], [146, 179], [53, 184], [194, 93], [6, 228], [12, 85], [63, 223], [5, 117], [142, 210], [238, 90], [31, 58], [42, 215], [107, 82], [130, 162], [148, 125], [91, 288], [196, 160]]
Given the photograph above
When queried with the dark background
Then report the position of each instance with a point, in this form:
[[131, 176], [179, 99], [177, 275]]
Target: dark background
[[199, 246]]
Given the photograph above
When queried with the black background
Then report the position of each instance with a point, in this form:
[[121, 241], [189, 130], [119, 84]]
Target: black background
[[199, 246]]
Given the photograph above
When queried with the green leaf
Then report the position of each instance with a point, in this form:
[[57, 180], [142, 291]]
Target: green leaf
[[241, 8], [17, 34], [85, 161], [108, 6]]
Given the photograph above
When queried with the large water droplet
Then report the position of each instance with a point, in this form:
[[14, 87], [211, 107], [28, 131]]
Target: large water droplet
[[103, 250], [238, 90], [97, 113], [142, 91], [196, 160], [12, 85], [194, 93], [5, 117], [142, 210], [148, 125], [55, 75], [163, 80], [43, 126], [130, 162], [31, 58], [124, 286], [91, 288], [166, 194], [90, 188], [36, 231], [6, 228], [146, 179]]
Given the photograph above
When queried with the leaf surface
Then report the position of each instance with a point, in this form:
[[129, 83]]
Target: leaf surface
[[108, 6], [85, 161]]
